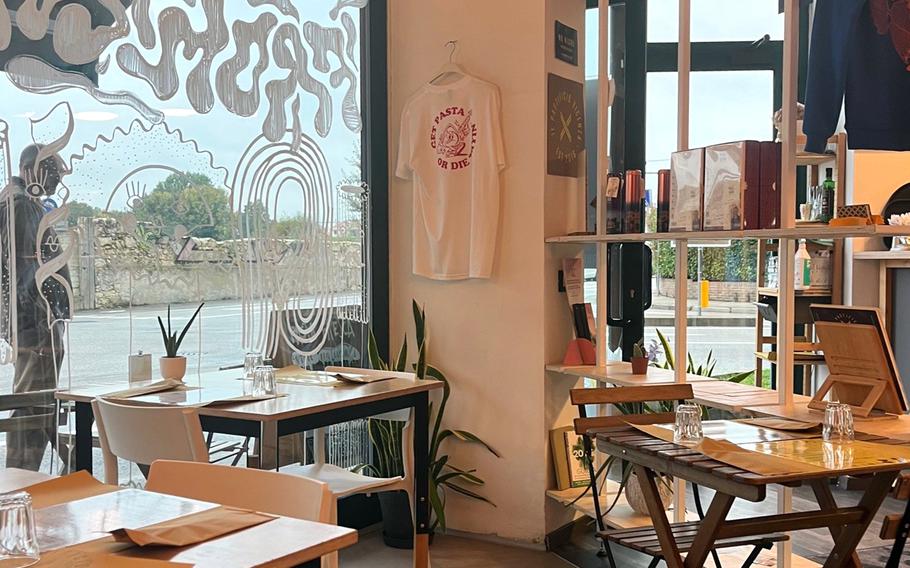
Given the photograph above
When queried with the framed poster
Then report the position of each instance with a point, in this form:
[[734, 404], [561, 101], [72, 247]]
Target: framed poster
[[565, 126]]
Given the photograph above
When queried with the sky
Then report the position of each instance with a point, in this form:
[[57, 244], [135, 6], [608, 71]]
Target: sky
[[220, 133], [714, 97]]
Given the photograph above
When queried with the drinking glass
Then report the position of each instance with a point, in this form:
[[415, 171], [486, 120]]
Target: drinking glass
[[18, 540], [838, 425], [250, 362], [264, 381], [688, 424]]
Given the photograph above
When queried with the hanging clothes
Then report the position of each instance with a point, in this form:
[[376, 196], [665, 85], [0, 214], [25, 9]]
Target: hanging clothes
[[859, 56]]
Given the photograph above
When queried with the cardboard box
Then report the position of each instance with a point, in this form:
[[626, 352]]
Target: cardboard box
[[687, 186], [732, 176], [769, 186], [633, 208], [663, 201], [613, 204]]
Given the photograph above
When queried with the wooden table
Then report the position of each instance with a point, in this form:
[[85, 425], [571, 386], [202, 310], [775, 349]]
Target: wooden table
[[735, 397], [14, 479], [304, 407], [291, 542], [650, 456], [897, 427]]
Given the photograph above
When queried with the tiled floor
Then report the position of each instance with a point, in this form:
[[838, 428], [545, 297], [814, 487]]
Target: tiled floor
[[448, 552]]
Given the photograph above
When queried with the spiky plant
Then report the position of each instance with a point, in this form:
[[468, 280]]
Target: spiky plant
[[172, 340]]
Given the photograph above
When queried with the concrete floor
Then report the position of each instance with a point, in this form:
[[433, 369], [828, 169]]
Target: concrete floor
[[448, 552]]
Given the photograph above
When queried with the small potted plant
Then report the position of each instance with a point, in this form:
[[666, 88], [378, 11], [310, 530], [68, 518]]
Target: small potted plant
[[173, 366], [640, 359]]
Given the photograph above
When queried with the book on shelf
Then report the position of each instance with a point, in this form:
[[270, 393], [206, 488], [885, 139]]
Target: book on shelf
[[568, 458]]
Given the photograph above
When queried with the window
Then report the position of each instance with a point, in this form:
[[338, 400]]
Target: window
[[207, 152]]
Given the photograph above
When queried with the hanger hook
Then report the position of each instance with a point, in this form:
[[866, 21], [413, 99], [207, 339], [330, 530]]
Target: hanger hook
[[453, 44]]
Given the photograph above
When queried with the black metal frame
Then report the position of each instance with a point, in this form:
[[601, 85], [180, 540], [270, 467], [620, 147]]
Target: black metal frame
[[375, 158]]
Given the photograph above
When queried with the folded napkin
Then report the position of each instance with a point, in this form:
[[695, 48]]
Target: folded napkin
[[147, 388], [68, 488], [193, 529]]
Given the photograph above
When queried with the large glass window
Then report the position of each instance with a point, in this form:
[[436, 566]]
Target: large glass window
[[171, 153]]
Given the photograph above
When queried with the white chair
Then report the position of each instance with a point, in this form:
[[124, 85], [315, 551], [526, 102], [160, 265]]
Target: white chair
[[254, 489], [144, 434], [344, 482]]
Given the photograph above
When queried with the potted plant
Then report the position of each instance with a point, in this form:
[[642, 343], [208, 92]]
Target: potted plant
[[445, 477], [640, 359], [173, 366]]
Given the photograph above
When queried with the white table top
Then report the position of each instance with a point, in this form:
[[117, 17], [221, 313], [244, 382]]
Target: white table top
[[298, 399]]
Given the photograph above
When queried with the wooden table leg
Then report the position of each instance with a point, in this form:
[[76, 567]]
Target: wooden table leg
[[707, 532], [849, 537], [668, 545], [826, 502]]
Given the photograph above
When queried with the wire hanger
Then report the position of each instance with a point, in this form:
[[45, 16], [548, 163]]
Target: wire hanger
[[450, 68]]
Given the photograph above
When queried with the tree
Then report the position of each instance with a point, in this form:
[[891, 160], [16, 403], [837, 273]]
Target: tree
[[78, 209], [187, 199]]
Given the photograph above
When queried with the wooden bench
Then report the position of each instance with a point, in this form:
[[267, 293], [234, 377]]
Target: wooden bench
[[637, 406]]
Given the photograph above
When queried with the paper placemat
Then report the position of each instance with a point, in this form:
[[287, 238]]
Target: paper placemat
[[150, 388], [100, 554], [193, 529], [834, 455], [731, 454], [741, 432], [68, 488], [784, 424]]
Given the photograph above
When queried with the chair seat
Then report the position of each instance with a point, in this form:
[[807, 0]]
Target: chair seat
[[645, 539], [342, 482]]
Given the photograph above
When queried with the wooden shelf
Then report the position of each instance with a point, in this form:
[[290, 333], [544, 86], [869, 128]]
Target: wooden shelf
[[807, 292], [804, 232], [805, 359], [620, 374], [808, 159], [622, 516], [881, 255]]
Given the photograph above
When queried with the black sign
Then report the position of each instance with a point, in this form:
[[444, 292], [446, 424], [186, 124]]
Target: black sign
[[566, 43]]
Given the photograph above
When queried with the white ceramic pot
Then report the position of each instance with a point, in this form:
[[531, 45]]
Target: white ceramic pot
[[636, 498], [172, 367]]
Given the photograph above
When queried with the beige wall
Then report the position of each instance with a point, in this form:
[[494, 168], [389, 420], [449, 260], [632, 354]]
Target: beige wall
[[490, 336], [876, 175]]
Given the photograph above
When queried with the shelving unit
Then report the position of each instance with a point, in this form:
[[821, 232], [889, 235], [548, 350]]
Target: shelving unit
[[721, 395], [622, 516]]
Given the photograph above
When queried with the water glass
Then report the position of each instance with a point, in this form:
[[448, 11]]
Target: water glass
[[838, 425], [250, 362], [688, 424], [264, 381], [18, 540]]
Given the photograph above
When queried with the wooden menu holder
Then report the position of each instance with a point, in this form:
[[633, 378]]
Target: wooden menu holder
[[859, 357]]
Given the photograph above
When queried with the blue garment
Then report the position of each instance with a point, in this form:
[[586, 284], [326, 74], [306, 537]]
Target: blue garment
[[857, 57]]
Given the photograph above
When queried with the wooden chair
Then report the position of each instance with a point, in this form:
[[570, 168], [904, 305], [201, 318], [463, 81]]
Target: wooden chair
[[897, 526], [144, 434], [254, 489], [344, 482], [644, 539]]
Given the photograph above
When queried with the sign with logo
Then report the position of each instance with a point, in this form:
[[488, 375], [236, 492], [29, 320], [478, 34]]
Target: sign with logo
[[565, 126], [566, 43]]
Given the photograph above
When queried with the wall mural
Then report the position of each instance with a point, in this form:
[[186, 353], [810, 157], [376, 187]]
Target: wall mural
[[199, 197]]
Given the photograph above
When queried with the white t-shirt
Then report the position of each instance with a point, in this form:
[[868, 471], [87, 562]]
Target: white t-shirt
[[451, 146]]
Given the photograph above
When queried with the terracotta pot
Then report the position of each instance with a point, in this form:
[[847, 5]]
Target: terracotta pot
[[640, 365], [636, 498], [172, 367]]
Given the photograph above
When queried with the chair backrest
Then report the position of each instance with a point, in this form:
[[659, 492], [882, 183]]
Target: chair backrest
[[626, 395], [891, 524], [143, 434], [258, 490]]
